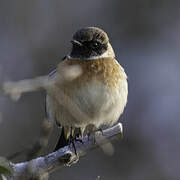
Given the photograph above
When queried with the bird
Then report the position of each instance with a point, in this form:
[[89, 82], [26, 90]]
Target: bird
[[96, 96]]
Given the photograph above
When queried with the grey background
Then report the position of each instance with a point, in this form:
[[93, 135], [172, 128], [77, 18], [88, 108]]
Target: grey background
[[145, 34]]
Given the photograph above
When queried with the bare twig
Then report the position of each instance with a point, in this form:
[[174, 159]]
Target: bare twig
[[42, 166], [15, 89]]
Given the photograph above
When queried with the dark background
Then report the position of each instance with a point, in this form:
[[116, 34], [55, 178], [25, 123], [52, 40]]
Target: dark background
[[145, 34]]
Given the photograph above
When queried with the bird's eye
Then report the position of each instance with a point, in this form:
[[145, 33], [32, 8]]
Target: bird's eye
[[96, 44]]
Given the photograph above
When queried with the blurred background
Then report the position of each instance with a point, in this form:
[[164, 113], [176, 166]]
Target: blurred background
[[145, 34]]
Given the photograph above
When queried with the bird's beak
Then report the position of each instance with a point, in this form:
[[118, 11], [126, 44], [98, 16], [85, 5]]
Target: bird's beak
[[76, 42]]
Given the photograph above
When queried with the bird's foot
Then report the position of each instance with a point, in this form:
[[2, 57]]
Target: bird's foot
[[72, 141]]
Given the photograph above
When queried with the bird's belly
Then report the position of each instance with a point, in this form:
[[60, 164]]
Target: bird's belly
[[94, 103]]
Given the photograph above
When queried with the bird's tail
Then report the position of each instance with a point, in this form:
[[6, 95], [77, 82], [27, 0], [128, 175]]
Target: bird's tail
[[62, 142]]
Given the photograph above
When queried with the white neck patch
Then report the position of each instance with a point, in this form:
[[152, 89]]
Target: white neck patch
[[104, 55]]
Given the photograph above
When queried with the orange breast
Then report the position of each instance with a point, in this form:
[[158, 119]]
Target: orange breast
[[106, 70]]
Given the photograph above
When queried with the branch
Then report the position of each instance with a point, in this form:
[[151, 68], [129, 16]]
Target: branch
[[42, 166]]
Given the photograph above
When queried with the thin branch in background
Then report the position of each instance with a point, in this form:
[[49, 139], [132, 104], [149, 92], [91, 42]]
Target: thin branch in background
[[15, 89]]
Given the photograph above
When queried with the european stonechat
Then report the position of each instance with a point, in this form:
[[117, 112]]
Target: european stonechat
[[99, 92]]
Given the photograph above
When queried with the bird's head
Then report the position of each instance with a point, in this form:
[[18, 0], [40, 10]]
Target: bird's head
[[91, 43]]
